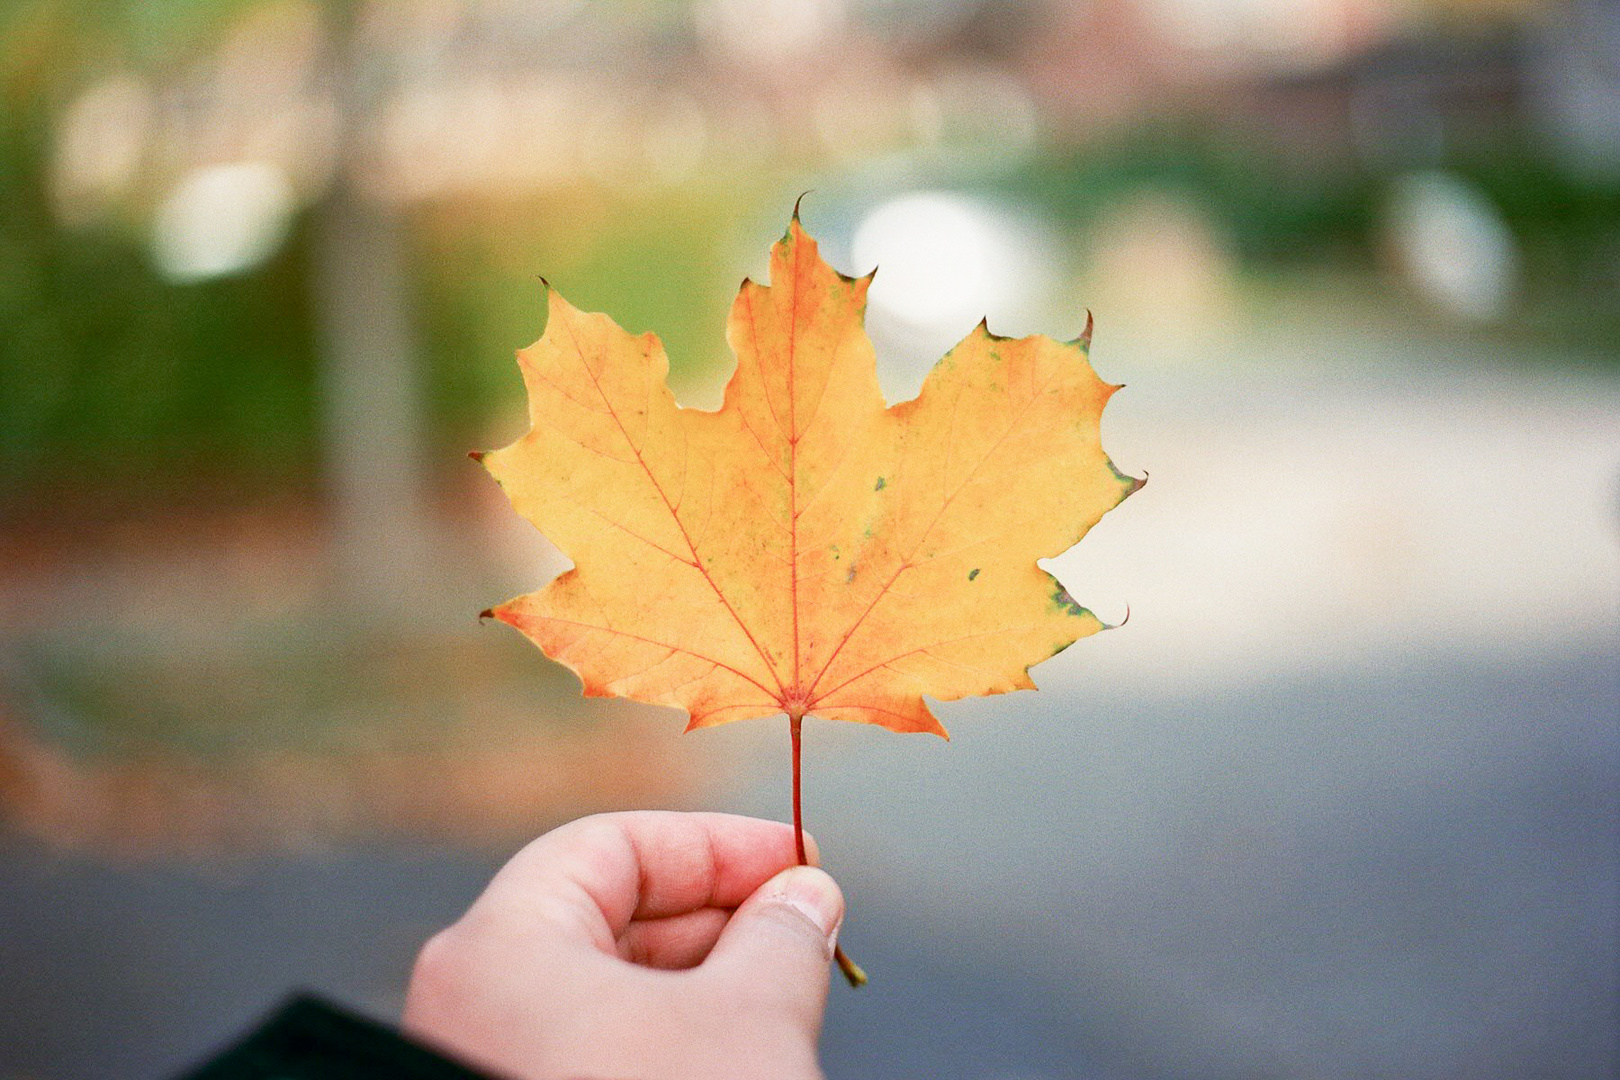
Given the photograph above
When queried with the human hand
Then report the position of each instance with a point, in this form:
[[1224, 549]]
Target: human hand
[[638, 946]]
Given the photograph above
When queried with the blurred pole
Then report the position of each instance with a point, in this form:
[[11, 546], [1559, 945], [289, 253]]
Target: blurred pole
[[371, 398]]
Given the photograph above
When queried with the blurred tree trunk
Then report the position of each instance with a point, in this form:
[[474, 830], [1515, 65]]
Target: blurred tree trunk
[[371, 397], [371, 400]]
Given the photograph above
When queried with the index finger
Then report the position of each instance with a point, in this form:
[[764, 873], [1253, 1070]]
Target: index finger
[[611, 869]]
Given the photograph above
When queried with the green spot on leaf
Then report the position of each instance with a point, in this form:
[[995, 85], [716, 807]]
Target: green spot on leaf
[[973, 573], [879, 485], [1064, 602]]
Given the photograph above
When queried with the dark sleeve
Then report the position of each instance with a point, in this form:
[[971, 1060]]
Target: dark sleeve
[[307, 1039]]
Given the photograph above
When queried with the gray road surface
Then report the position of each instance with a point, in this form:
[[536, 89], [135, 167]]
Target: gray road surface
[[1401, 874]]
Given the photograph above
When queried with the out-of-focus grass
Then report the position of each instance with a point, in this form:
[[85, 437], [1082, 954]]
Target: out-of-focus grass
[[308, 730], [195, 683]]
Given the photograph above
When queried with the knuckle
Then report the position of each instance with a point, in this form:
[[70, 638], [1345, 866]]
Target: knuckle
[[439, 961]]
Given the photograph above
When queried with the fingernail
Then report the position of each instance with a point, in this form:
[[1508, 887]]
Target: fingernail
[[813, 894]]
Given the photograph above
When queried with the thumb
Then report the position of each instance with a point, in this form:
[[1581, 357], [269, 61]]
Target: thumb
[[774, 952]]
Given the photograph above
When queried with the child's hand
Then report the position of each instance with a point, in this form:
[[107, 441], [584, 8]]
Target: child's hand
[[638, 946]]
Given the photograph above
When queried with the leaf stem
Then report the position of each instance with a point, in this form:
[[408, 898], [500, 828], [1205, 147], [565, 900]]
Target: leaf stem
[[852, 971], [795, 724]]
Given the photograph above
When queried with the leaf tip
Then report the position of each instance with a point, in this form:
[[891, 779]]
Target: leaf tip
[[1130, 484], [476, 455], [930, 725], [1122, 622], [1085, 335], [487, 613], [984, 328]]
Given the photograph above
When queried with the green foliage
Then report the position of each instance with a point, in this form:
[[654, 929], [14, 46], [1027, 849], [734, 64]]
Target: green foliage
[[111, 373], [112, 380], [1283, 210], [482, 292], [1270, 210]]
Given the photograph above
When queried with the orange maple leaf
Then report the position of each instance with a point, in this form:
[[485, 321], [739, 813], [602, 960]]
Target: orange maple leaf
[[805, 549]]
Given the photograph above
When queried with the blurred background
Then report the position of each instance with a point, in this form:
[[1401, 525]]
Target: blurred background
[[1340, 801]]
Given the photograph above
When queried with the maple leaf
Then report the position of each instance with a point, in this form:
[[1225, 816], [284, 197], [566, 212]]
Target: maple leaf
[[805, 549]]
